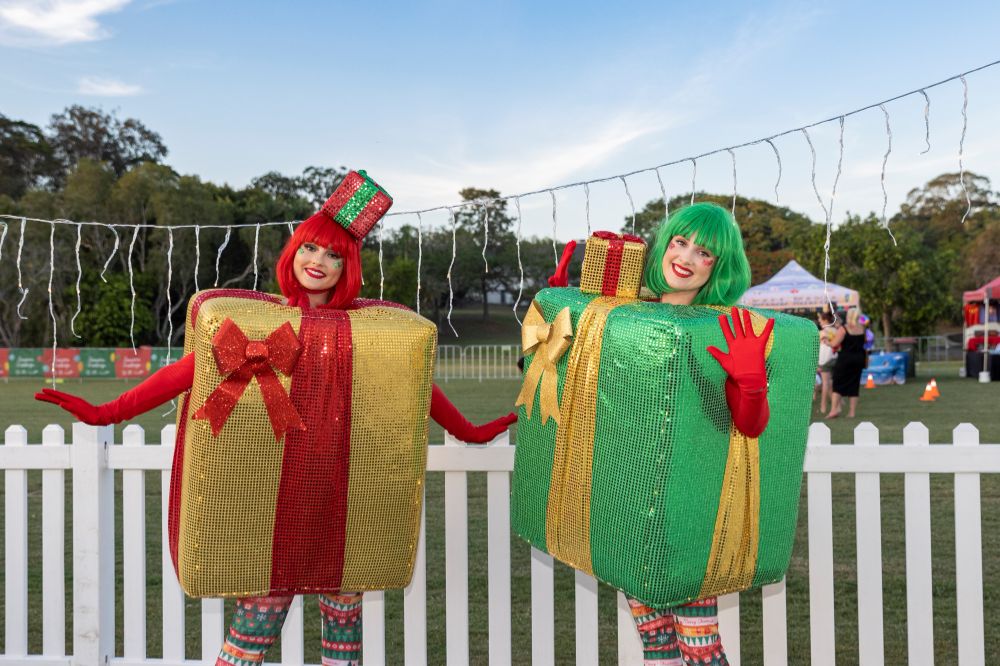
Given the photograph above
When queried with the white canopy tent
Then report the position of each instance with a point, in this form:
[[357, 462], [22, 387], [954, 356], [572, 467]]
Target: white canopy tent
[[795, 288]]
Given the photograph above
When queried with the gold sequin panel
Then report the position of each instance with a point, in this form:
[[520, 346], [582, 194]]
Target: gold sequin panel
[[393, 360], [229, 482]]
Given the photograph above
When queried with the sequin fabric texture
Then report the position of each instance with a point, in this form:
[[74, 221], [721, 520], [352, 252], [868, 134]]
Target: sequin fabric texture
[[332, 506], [631, 483]]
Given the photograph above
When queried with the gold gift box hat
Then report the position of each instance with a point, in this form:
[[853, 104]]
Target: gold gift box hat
[[301, 446], [613, 264]]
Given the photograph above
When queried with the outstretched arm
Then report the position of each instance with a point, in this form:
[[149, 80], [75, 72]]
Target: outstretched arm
[[746, 385], [448, 417], [164, 384]]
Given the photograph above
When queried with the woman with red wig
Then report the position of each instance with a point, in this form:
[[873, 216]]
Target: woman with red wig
[[319, 267]]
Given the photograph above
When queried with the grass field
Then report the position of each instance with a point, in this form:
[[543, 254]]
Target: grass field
[[889, 408]]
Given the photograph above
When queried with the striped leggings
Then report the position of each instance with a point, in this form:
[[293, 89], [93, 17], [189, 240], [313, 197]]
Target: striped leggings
[[680, 636], [257, 623]]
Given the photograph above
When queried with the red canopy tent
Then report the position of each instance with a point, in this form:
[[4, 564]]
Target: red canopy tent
[[981, 308], [979, 295]]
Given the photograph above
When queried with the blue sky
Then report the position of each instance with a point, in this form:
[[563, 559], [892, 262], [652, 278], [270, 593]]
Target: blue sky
[[435, 96]]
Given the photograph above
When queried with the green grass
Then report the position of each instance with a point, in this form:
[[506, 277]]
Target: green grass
[[890, 408]]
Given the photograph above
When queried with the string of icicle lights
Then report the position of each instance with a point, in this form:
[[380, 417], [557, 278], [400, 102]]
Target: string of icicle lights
[[486, 204]]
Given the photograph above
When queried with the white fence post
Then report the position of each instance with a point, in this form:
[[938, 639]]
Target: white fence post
[[868, 517], [16, 550], [775, 624], [53, 550], [456, 557], [919, 593], [586, 619], [498, 560], [173, 596], [134, 550], [822, 642], [93, 546], [969, 557], [543, 624], [415, 600]]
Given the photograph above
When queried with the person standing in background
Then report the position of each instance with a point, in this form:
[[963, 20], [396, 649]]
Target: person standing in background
[[849, 365]]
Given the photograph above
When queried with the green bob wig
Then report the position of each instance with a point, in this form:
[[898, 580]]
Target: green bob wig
[[716, 230]]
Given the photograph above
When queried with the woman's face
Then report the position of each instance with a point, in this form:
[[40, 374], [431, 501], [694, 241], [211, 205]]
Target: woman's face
[[317, 268], [687, 265]]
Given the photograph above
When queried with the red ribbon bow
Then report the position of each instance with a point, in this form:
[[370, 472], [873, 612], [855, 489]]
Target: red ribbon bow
[[240, 359], [610, 235]]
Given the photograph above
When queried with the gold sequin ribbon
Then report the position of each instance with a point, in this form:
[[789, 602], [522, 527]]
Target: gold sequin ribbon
[[732, 561], [548, 342], [567, 518]]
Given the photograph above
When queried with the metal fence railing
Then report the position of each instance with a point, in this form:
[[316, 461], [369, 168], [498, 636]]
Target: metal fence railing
[[477, 362]]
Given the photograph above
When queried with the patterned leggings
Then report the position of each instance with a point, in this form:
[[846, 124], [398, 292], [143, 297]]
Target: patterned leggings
[[680, 636], [257, 623]]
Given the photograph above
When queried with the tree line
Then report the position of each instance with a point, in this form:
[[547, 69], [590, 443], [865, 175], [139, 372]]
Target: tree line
[[88, 165]]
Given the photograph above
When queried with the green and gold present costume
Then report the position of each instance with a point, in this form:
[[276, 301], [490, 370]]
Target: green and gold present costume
[[627, 464]]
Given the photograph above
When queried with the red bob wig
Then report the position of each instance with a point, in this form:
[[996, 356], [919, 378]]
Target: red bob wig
[[324, 232]]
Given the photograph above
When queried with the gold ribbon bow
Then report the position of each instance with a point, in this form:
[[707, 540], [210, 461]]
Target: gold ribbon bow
[[548, 342]]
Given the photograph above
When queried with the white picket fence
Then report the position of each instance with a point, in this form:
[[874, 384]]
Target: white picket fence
[[93, 459]]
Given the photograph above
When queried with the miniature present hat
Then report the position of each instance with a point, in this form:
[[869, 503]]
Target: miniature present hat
[[357, 204]]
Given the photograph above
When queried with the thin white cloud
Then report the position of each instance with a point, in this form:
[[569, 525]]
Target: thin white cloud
[[101, 87], [54, 22], [548, 165]]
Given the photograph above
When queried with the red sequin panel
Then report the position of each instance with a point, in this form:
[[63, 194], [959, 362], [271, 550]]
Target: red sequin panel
[[370, 215], [351, 184], [311, 515], [612, 266], [174, 510]]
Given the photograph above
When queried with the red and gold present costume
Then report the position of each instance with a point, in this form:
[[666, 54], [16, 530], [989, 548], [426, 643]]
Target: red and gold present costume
[[310, 477]]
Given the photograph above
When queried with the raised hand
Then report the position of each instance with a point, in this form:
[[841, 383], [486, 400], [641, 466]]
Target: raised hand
[[746, 386], [78, 407], [744, 362]]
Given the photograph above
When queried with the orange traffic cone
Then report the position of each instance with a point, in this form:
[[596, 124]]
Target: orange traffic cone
[[870, 384], [928, 395], [934, 388]]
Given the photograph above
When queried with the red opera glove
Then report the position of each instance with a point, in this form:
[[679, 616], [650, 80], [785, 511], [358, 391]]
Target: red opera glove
[[561, 277], [163, 385], [746, 386], [448, 417]]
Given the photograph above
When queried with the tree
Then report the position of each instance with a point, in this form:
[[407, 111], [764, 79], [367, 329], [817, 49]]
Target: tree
[[26, 157], [900, 284], [88, 133], [316, 184], [486, 227], [981, 257]]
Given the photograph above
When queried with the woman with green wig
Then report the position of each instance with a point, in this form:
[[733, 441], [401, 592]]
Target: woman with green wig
[[698, 258]]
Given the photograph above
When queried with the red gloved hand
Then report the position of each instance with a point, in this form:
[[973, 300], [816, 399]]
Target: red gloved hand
[[163, 385], [561, 277], [448, 417], [746, 386], [78, 407]]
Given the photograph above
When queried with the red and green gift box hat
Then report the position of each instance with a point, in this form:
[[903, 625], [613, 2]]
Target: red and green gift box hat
[[357, 204], [301, 447]]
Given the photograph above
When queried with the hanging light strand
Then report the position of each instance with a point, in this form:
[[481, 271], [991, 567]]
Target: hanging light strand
[[79, 276], [52, 310], [520, 266], [20, 285], [961, 148], [451, 291]]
